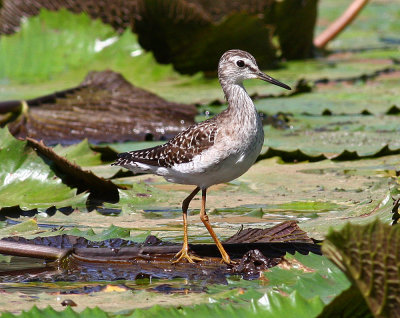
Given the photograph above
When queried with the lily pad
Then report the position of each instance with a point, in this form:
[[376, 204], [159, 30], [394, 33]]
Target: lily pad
[[31, 229], [368, 255], [103, 108], [377, 95], [80, 154], [73, 174], [334, 137], [266, 300], [93, 46], [275, 304], [314, 276], [27, 181]]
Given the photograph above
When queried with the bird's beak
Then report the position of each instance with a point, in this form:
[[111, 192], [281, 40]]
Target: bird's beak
[[269, 79]]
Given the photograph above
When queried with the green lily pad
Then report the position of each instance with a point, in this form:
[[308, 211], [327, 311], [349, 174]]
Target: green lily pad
[[27, 181], [92, 46], [81, 154], [315, 276], [90, 42], [54, 29], [335, 137], [275, 304], [32, 229], [377, 95], [29, 226]]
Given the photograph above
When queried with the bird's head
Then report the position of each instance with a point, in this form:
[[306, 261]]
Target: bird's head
[[236, 65]]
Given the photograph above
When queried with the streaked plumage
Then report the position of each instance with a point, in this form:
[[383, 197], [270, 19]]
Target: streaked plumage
[[217, 150], [181, 149]]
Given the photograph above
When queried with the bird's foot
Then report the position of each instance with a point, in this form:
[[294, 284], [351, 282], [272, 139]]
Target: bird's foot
[[184, 254], [226, 259], [229, 262]]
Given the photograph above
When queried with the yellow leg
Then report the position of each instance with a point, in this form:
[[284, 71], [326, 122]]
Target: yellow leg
[[206, 222], [184, 252]]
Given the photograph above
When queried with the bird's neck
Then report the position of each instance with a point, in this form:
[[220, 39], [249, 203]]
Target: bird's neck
[[239, 102]]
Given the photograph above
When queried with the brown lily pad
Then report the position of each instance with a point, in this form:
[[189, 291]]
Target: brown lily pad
[[103, 108], [287, 231], [113, 259]]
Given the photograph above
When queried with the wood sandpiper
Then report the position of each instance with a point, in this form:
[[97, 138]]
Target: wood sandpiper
[[217, 150]]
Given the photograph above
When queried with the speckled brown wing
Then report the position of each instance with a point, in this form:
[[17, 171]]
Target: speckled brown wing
[[181, 149]]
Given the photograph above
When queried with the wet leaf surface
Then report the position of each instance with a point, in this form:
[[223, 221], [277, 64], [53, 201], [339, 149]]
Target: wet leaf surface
[[238, 295], [116, 259], [142, 281]]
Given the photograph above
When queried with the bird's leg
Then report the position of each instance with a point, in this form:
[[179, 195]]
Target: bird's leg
[[184, 252], [206, 222]]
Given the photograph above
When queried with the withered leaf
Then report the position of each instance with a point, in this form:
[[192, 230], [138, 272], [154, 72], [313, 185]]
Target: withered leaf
[[103, 108], [287, 231], [127, 260]]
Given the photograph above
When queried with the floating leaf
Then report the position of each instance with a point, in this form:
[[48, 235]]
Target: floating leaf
[[103, 108], [310, 275], [73, 174], [287, 231], [116, 13], [27, 181], [349, 304], [80, 154], [91, 45], [272, 305], [369, 256], [51, 313], [28, 227], [343, 137], [376, 96]]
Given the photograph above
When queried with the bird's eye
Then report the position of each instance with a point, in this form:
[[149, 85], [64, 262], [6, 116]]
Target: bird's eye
[[240, 63]]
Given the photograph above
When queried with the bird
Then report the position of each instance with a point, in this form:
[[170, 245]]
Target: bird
[[217, 150]]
